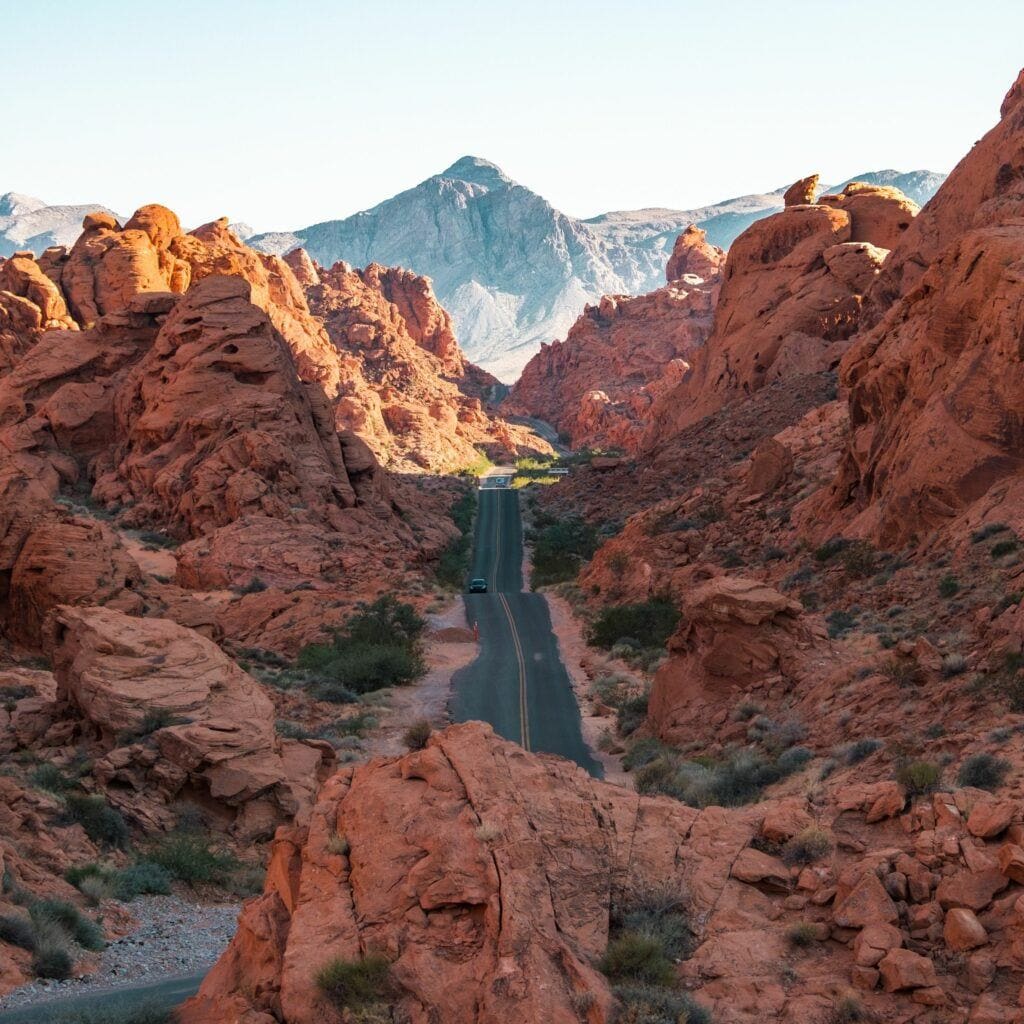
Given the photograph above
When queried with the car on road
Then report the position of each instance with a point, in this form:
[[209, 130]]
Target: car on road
[[478, 586]]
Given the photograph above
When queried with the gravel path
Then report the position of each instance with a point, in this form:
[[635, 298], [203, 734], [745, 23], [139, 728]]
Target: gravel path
[[174, 937]]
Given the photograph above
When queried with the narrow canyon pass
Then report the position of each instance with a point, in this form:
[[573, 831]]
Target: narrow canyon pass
[[504, 617]]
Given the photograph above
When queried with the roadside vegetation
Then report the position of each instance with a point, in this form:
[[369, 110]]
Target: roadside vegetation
[[649, 933], [453, 565], [379, 646], [560, 547]]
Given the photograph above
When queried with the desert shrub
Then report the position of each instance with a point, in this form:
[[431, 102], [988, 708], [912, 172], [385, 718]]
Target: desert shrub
[[560, 549], [633, 956], [96, 889], [746, 710], [650, 623], [949, 585], [152, 539], [146, 878], [416, 736], [776, 736], [254, 586], [988, 530], [18, 931], [849, 1011], [52, 960], [52, 779], [918, 777], [832, 547], [1004, 547], [793, 759], [805, 848], [647, 1004], [611, 689], [87, 933], [839, 622], [351, 984], [983, 771], [101, 822], [152, 721], [858, 750], [378, 646], [631, 714], [189, 857], [953, 665], [642, 752], [802, 935], [902, 672], [657, 911], [858, 559]]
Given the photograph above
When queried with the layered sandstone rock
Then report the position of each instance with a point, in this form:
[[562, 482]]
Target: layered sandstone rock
[[936, 385], [216, 736], [733, 632], [791, 298], [484, 874], [598, 386]]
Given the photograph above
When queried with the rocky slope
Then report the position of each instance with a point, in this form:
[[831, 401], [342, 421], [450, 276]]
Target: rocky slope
[[598, 386], [513, 271]]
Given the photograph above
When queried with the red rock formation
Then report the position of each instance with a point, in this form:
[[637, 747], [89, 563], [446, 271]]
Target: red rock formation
[[790, 300], [113, 669], [936, 384], [495, 915], [802, 192], [598, 386], [734, 632], [407, 389], [30, 303]]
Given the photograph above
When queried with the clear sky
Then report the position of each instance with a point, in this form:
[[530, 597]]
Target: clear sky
[[286, 112]]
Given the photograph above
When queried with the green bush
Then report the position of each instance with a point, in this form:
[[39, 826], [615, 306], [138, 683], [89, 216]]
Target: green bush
[[189, 857], [983, 771], [18, 931], [988, 530], [658, 911], [101, 822], [453, 565], [87, 933], [379, 646], [351, 984], [416, 736], [1004, 547], [802, 935], [858, 750], [918, 777], [646, 1004], [839, 622], [560, 549], [650, 624], [631, 714], [146, 878], [52, 779], [949, 585], [639, 958]]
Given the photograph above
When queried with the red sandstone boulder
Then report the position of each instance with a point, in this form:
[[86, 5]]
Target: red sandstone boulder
[[112, 670], [963, 930], [802, 192], [693, 255], [903, 969]]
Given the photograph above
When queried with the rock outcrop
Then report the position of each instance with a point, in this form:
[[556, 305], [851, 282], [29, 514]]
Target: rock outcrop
[[214, 741], [935, 386], [598, 387]]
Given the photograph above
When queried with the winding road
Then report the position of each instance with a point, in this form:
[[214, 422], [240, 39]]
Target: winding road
[[518, 682]]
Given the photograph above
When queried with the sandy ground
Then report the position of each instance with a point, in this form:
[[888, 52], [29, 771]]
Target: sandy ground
[[428, 699]]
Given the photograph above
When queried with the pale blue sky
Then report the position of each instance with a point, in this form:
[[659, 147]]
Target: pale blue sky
[[285, 113]]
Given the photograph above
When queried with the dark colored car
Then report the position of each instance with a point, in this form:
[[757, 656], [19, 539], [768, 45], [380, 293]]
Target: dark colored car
[[478, 586]]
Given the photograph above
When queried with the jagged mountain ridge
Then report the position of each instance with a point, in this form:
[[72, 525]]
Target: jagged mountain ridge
[[514, 271]]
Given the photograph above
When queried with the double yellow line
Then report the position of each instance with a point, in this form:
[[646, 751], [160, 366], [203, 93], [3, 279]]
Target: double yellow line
[[524, 718]]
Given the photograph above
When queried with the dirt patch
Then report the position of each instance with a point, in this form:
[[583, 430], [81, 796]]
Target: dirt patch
[[449, 647]]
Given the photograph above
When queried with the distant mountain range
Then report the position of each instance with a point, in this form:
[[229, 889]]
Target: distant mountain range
[[511, 269]]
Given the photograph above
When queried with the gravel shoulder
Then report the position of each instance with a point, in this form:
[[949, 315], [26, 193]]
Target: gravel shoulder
[[175, 936]]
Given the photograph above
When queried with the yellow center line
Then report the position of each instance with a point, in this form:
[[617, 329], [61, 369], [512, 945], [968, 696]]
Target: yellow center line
[[524, 720]]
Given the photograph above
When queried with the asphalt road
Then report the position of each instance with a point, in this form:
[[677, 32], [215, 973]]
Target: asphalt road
[[518, 682], [153, 996]]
